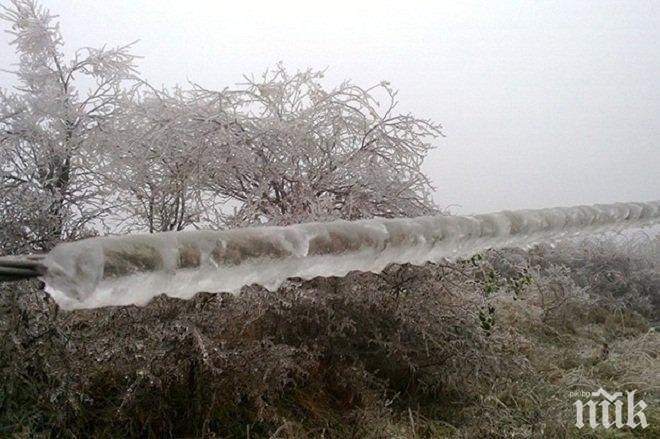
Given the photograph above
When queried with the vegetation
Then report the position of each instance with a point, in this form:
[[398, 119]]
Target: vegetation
[[487, 347], [89, 147]]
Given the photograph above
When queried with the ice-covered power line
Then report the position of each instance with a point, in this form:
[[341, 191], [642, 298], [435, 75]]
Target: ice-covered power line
[[135, 268]]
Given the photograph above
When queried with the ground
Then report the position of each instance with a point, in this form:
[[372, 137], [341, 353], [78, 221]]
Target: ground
[[493, 346]]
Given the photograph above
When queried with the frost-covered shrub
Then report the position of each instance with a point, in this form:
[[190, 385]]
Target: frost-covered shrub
[[486, 347], [218, 361], [620, 272], [291, 149]]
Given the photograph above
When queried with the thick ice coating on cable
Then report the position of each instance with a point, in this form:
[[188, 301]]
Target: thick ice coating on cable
[[135, 268]]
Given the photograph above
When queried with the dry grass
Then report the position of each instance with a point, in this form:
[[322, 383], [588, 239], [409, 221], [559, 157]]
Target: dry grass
[[489, 347]]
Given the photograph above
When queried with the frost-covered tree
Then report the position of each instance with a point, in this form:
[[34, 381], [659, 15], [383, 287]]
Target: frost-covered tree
[[282, 149], [52, 126], [159, 160], [291, 150], [83, 139]]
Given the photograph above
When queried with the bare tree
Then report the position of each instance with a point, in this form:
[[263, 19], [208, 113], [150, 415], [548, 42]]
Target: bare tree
[[290, 151], [51, 131]]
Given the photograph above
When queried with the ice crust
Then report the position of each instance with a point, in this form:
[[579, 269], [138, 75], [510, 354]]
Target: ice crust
[[133, 269]]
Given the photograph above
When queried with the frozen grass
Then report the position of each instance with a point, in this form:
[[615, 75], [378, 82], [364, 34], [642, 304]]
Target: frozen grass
[[487, 347]]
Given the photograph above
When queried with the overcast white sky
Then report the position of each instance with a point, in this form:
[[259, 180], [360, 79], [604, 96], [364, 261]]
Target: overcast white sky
[[544, 103]]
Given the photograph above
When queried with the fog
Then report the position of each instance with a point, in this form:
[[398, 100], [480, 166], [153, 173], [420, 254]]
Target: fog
[[542, 103]]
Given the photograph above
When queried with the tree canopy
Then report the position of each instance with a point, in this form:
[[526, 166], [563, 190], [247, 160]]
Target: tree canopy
[[88, 146]]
